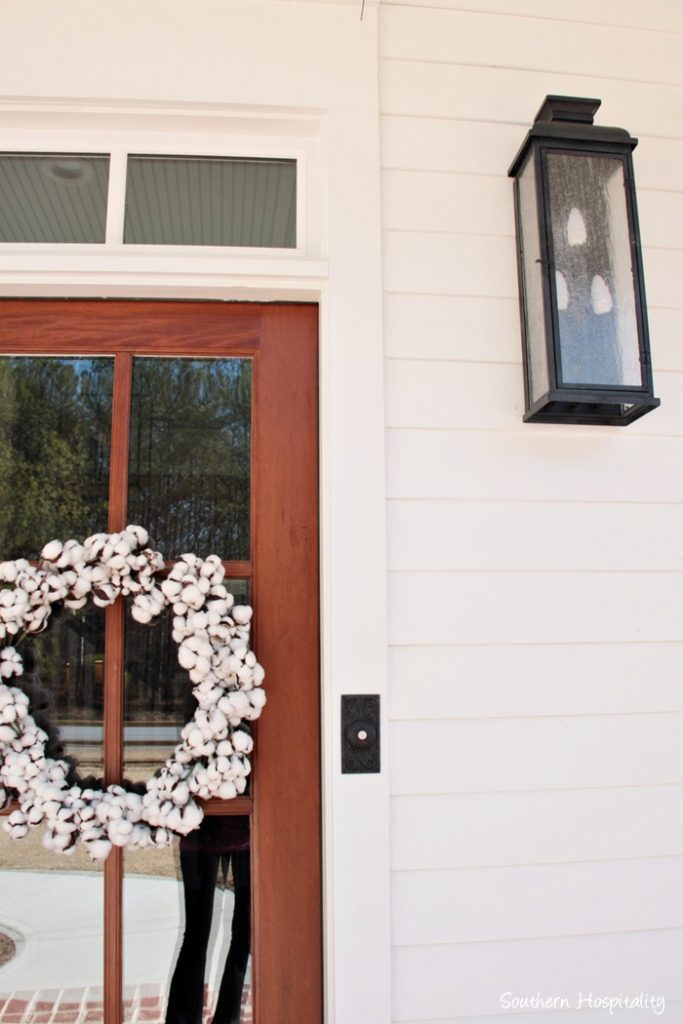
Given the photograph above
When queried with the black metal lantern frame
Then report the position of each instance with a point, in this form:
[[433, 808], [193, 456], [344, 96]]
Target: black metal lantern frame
[[582, 295]]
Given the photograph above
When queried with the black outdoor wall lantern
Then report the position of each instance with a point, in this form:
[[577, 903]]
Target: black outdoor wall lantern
[[582, 298]]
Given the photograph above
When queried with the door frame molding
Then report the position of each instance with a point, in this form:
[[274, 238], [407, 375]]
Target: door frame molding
[[345, 280]]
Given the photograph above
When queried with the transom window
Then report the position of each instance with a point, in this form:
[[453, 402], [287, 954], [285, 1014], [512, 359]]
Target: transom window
[[226, 201]]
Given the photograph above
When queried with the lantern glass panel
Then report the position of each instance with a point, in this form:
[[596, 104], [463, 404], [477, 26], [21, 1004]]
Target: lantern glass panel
[[598, 330], [537, 361]]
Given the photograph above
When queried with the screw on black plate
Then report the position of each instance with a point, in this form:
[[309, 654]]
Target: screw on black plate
[[360, 733]]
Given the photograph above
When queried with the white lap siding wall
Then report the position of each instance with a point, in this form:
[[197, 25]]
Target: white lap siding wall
[[535, 584]]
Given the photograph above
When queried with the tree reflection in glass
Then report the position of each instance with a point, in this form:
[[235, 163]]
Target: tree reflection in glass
[[55, 422], [190, 450]]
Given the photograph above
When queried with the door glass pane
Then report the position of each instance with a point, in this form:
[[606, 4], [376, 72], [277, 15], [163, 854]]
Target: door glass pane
[[55, 421], [158, 698], [51, 947], [174, 200], [64, 679], [190, 452], [532, 270], [53, 197], [187, 927], [592, 249]]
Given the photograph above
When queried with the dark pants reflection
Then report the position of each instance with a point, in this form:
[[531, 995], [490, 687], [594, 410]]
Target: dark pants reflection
[[186, 995]]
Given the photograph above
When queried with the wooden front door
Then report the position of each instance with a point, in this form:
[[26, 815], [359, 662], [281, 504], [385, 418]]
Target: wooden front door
[[199, 421]]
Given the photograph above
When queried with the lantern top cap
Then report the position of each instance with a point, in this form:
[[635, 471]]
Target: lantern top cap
[[567, 108], [563, 120]]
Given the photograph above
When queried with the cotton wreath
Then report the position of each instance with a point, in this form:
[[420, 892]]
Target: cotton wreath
[[212, 634]]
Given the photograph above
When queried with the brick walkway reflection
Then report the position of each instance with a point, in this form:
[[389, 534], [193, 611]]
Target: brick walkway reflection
[[144, 1003]]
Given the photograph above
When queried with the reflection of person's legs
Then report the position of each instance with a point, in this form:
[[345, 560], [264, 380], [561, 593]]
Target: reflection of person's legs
[[186, 995], [230, 994]]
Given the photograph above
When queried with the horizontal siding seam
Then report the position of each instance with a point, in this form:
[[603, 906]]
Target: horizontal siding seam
[[467, 362], [523, 69], [458, 234], [525, 865], [430, 795], [561, 716], [539, 938], [534, 572], [497, 122], [526, 643], [413, 428], [407, 293], [462, 361], [394, 795], [497, 12], [536, 501]]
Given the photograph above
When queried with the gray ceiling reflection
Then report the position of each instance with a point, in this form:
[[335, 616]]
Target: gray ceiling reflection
[[53, 197], [223, 201]]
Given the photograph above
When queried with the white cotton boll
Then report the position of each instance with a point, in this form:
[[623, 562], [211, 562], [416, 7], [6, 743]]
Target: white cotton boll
[[181, 794], [192, 596], [140, 837], [103, 594], [153, 815], [99, 849], [259, 674], [51, 551], [244, 674], [257, 698], [191, 818], [242, 742], [81, 587], [102, 812], [202, 665], [138, 533], [242, 614], [197, 621], [64, 827], [141, 614], [186, 657], [217, 721], [120, 831], [75, 602], [195, 738], [227, 790], [234, 663], [117, 563], [162, 837], [7, 733], [174, 819], [8, 572], [76, 552]]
